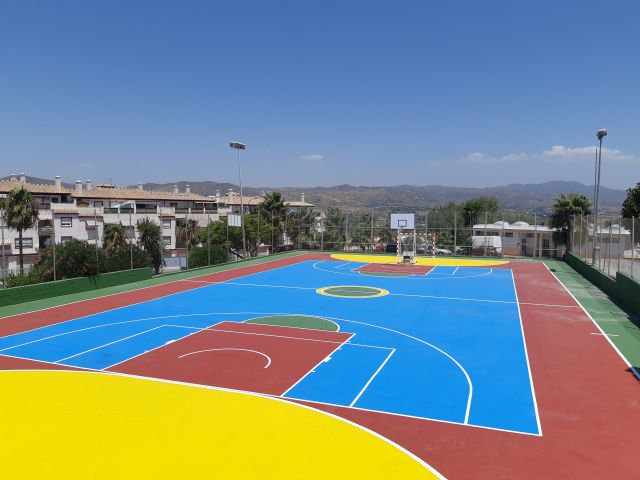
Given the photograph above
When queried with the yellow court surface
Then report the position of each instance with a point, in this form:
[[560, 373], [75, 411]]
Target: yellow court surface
[[436, 262], [72, 425]]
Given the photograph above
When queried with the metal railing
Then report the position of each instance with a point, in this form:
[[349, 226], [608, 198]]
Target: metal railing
[[611, 246]]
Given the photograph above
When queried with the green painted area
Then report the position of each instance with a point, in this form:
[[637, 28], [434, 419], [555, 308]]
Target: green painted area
[[611, 316], [297, 321], [39, 291], [157, 280], [353, 291]]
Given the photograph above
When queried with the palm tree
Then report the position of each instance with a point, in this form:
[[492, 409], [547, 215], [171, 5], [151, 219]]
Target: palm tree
[[20, 213], [113, 238], [151, 241], [188, 233], [273, 206], [564, 208]]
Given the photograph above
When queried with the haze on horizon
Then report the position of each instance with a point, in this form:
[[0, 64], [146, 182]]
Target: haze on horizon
[[323, 93]]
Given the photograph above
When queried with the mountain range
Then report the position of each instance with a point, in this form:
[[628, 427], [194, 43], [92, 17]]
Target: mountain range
[[530, 197], [534, 198]]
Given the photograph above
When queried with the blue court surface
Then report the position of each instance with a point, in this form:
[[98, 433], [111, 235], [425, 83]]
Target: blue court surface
[[445, 346]]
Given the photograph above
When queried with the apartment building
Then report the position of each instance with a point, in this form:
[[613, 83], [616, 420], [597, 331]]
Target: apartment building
[[82, 212], [231, 203]]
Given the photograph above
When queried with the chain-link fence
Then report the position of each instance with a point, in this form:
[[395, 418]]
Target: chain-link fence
[[610, 243], [89, 241]]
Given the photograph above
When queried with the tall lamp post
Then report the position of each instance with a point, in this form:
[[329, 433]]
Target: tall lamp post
[[241, 146], [600, 134]]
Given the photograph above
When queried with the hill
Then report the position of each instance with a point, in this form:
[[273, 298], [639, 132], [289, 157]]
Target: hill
[[529, 197]]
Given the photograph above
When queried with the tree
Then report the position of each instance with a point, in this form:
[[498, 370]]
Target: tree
[[273, 205], [189, 233], [20, 213], [475, 206], [113, 238], [151, 241], [565, 207], [631, 204], [334, 226]]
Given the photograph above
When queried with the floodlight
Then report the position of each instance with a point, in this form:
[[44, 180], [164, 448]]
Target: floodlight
[[601, 133], [238, 145]]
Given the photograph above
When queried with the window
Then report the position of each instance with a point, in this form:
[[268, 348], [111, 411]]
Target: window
[[26, 243], [97, 203], [166, 224], [65, 221], [166, 240], [65, 239], [529, 235], [508, 234]]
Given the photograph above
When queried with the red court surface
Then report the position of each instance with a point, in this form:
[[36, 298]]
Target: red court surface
[[251, 357], [397, 269]]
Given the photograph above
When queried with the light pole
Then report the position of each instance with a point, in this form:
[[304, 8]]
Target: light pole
[[600, 134], [241, 146]]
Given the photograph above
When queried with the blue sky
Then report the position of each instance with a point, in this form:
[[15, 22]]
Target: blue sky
[[463, 93]]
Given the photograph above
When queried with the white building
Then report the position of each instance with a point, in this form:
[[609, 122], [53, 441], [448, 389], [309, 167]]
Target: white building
[[81, 213], [515, 239]]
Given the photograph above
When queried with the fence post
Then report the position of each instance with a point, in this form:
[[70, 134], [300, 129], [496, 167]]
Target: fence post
[[272, 246], [502, 239], [4, 263], [455, 230], [486, 219], [209, 239], [572, 225], [620, 243], [535, 235], [346, 232], [131, 239], [53, 230], [322, 227], [95, 221], [372, 231], [633, 244]]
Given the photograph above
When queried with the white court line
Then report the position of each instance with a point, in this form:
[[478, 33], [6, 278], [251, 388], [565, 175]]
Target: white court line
[[106, 344], [139, 289], [314, 367], [454, 272], [230, 349], [372, 377], [261, 395], [211, 387], [464, 372], [526, 356], [604, 334], [437, 297], [430, 345], [427, 276]]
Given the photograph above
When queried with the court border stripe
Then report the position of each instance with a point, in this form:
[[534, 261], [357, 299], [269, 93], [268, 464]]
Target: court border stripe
[[526, 356], [604, 334]]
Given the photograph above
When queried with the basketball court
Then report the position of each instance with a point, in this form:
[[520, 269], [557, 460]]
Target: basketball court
[[442, 358]]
